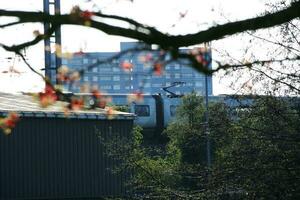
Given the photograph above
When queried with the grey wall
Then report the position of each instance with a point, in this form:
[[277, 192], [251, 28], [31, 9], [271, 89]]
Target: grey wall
[[53, 158]]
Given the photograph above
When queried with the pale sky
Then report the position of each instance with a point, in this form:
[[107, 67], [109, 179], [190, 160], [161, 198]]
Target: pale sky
[[200, 14]]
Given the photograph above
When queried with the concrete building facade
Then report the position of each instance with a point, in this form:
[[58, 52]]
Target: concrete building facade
[[111, 78]]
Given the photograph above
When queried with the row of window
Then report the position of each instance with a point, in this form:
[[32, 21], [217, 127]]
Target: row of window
[[145, 85], [117, 77]]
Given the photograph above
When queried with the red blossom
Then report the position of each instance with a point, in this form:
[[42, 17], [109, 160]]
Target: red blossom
[[11, 120], [157, 68], [126, 65], [14, 116], [8, 123], [86, 15], [76, 104], [48, 97]]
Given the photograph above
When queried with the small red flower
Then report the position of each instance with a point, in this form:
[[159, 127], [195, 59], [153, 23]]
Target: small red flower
[[126, 66], [86, 15], [49, 97], [8, 123], [157, 68], [11, 120], [76, 104]]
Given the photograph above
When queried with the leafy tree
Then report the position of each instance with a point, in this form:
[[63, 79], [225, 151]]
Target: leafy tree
[[259, 160], [255, 153]]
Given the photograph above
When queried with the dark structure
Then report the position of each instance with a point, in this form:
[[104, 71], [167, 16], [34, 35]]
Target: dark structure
[[50, 157]]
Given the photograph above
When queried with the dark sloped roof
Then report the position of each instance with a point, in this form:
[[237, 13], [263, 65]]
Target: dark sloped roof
[[26, 105]]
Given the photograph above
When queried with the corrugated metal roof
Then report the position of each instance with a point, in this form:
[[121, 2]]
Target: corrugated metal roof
[[27, 106]]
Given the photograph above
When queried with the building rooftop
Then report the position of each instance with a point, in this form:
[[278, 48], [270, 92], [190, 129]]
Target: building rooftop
[[27, 106]]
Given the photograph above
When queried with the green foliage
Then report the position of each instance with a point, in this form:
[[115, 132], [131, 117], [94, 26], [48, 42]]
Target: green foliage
[[256, 154], [190, 112], [121, 108], [260, 159], [152, 170]]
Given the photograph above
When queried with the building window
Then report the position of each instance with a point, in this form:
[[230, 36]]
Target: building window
[[176, 66], [116, 87], [147, 85], [198, 75], [198, 84], [116, 69], [105, 87], [142, 110], [86, 78], [76, 61], [146, 66], [116, 78], [168, 75], [64, 62], [105, 69], [95, 69], [156, 85], [94, 61], [105, 78], [95, 78], [85, 61], [176, 75], [187, 75]]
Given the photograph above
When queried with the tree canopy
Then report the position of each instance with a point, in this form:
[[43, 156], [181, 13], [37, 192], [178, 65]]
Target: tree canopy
[[255, 153]]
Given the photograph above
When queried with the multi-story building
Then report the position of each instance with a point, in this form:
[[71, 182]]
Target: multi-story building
[[110, 77]]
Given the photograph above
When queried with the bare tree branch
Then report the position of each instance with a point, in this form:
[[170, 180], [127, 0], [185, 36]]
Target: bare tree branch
[[272, 42], [250, 64], [37, 39], [152, 36]]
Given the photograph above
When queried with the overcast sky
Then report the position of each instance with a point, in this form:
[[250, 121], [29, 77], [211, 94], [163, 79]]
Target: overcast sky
[[163, 14]]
